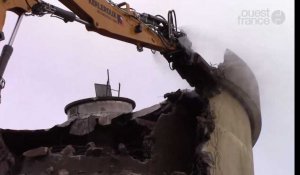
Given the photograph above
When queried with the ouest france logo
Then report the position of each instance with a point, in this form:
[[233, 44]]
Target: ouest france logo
[[261, 17]]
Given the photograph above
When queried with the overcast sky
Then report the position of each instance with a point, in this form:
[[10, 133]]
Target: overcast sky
[[55, 63]]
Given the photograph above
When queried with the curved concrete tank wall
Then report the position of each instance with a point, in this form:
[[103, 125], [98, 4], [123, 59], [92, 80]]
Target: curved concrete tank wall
[[237, 119], [99, 107], [230, 145]]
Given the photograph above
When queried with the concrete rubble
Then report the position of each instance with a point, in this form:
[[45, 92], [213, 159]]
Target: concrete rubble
[[210, 130], [164, 139]]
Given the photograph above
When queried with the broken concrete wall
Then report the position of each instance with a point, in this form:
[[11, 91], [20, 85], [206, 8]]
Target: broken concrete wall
[[166, 140], [186, 134], [189, 133], [230, 146]]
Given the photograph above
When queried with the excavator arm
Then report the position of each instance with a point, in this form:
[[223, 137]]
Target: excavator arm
[[17, 6], [121, 22], [118, 21]]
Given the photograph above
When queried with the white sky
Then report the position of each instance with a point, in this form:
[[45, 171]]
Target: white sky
[[55, 63]]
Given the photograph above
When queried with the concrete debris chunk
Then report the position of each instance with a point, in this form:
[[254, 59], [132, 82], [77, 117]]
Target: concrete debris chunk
[[50, 170], [122, 149], [68, 151], [91, 145], [63, 172], [37, 152]]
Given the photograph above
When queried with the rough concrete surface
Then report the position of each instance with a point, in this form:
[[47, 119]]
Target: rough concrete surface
[[167, 140], [230, 145], [208, 131]]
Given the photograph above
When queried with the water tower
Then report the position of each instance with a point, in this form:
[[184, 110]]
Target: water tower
[[104, 105]]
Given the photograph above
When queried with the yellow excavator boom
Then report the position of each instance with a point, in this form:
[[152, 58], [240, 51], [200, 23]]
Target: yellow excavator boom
[[17, 6], [118, 21]]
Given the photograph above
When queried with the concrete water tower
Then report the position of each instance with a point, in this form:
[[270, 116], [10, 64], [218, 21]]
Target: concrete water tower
[[104, 105]]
